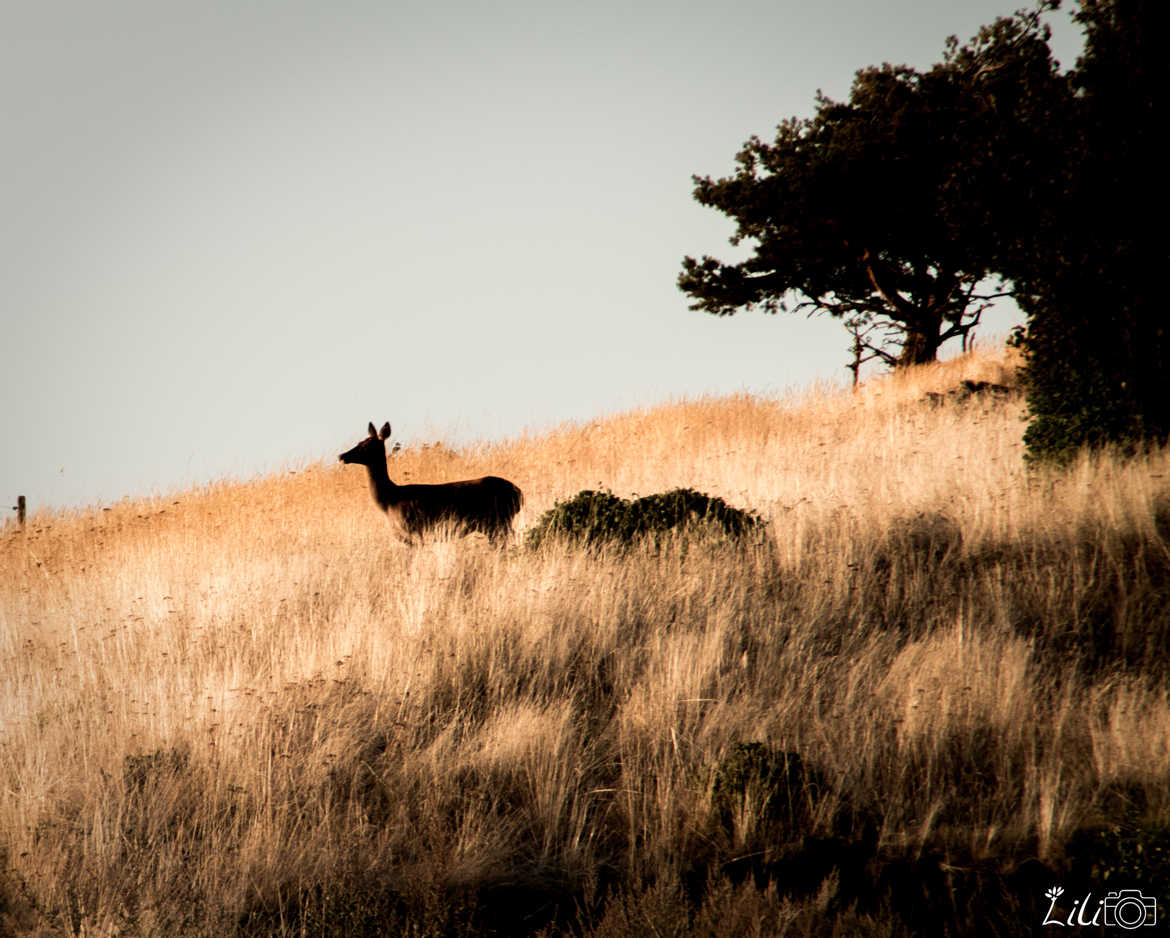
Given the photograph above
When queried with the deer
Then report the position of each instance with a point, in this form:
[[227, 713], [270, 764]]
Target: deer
[[486, 505]]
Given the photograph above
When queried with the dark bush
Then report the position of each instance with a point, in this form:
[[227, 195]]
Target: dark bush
[[1122, 855], [779, 786], [591, 518]]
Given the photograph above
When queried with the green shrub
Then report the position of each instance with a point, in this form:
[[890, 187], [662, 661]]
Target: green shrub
[[775, 786], [592, 518], [1135, 855]]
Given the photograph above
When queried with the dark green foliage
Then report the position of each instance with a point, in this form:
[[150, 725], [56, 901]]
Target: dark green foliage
[[1078, 378], [1123, 856], [592, 518], [770, 814], [1097, 347], [588, 517], [775, 785], [677, 508], [1097, 350]]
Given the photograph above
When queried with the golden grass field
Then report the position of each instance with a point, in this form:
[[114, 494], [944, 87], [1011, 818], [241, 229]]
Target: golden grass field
[[246, 709]]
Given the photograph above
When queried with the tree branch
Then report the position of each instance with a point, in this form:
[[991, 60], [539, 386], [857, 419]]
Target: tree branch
[[896, 303]]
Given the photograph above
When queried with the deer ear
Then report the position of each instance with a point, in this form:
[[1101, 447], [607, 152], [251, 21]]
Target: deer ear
[[385, 430], [373, 432]]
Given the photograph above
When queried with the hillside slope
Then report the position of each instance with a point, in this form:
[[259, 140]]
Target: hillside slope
[[935, 690]]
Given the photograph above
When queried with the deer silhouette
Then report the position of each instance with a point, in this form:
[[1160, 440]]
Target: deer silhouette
[[487, 505]]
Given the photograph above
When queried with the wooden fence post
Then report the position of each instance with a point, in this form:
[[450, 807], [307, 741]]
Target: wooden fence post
[[20, 510]]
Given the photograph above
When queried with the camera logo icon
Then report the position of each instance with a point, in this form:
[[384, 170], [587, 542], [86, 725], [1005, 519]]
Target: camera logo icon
[[1128, 908]]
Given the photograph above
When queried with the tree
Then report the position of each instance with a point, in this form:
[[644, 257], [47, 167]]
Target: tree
[[1097, 345], [886, 209]]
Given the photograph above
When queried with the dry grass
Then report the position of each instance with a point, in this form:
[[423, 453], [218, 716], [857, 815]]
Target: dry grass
[[245, 709]]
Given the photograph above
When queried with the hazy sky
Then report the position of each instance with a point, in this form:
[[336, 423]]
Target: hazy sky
[[234, 233]]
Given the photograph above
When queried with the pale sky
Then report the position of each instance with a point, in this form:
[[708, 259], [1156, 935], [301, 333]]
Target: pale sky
[[234, 233]]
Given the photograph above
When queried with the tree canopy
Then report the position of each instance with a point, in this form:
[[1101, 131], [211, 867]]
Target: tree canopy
[[1088, 267], [890, 209]]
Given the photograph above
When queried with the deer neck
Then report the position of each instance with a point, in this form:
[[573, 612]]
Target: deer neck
[[380, 484]]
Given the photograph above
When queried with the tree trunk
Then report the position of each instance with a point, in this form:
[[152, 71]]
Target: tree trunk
[[921, 345]]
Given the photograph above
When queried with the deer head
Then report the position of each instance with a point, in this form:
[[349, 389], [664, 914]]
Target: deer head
[[370, 450]]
